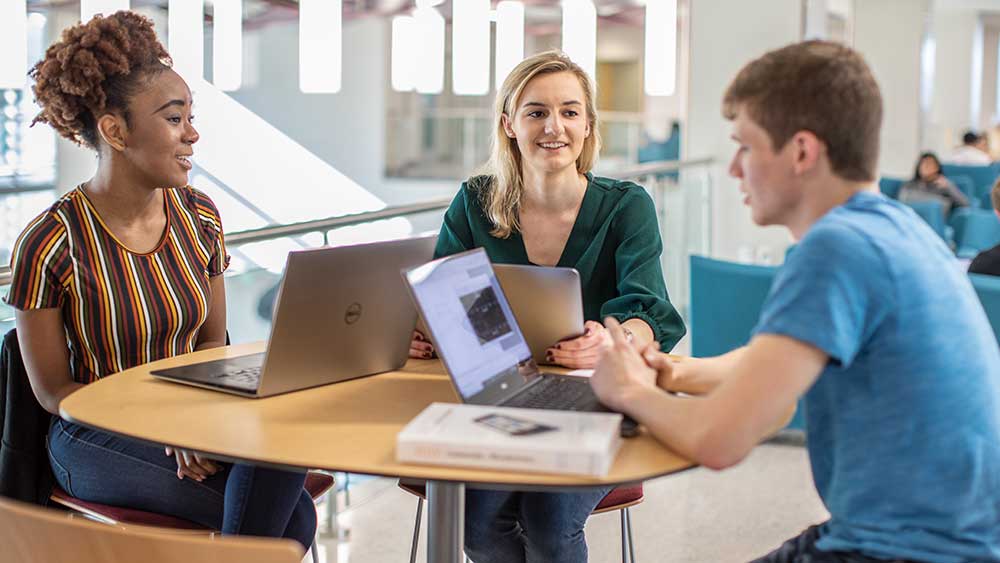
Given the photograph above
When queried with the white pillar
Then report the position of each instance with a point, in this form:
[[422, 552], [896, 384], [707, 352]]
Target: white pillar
[[658, 112], [893, 53], [721, 43], [815, 19], [953, 32], [988, 107]]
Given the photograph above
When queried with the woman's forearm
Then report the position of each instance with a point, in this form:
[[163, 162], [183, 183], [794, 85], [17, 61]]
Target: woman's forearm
[[642, 334], [50, 398]]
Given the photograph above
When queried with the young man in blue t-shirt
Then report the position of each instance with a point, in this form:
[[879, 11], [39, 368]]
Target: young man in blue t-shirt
[[870, 319]]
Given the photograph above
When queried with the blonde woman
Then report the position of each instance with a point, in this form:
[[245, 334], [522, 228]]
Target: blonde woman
[[539, 204]]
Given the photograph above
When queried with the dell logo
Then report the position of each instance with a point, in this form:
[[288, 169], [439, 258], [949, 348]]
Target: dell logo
[[353, 313]]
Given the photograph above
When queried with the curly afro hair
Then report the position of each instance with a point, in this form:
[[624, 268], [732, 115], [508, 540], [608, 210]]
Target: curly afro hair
[[95, 68]]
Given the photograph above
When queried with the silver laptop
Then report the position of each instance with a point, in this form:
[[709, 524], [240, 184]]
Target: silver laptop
[[547, 303], [482, 346], [341, 313]]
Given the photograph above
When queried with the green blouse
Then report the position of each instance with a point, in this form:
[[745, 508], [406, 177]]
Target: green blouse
[[614, 244]]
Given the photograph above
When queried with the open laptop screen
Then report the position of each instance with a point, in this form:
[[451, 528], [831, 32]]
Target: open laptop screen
[[472, 326]]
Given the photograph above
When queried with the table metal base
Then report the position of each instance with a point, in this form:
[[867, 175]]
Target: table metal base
[[445, 521]]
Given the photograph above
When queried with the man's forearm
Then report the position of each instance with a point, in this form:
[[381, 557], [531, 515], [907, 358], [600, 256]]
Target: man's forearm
[[702, 430], [699, 376], [677, 422]]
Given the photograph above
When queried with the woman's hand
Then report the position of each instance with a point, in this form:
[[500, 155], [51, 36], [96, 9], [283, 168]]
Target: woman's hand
[[420, 347], [583, 351], [192, 465]]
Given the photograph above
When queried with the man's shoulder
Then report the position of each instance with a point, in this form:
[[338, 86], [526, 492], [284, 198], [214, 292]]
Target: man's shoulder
[[840, 229], [865, 216], [855, 237]]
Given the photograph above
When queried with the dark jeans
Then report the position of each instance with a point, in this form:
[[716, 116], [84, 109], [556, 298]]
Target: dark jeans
[[802, 549], [240, 499], [514, 527]]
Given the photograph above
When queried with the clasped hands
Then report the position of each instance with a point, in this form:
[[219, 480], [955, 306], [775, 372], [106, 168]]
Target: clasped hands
[[626, 371], [191, 465]]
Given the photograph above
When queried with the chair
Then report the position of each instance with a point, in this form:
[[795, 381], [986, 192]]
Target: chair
[[988, 290], [932, 212], [620, 498], [975, 231], [125, 518], [890, 186], [40, 535], [726, 300], [965, 185], [129, 519], [982, 177]]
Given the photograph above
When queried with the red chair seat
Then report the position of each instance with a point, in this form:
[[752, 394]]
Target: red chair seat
[[619, 497], [316, 485], [123, 515]]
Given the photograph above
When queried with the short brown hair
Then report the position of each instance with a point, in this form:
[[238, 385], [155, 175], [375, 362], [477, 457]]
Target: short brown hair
[[818, 86], [95, 68]]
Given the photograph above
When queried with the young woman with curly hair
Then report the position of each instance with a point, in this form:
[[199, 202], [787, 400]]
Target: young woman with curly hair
[[127, 269]]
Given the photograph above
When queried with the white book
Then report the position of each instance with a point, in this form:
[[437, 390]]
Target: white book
[[492, 437]]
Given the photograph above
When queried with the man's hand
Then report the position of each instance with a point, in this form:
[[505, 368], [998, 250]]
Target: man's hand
[[192, 465], [666, 372], [622, 371]]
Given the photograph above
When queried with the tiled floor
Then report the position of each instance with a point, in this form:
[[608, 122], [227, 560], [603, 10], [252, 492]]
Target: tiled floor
[[699, 516]]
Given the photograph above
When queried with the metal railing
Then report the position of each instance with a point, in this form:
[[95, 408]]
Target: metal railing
[[292, 229], [656, 168], [325, 225], [645, 174]]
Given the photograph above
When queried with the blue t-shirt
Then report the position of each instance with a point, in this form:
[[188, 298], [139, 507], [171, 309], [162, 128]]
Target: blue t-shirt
[[903, 425]]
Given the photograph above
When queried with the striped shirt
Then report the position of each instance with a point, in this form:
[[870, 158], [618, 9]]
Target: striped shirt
[[121, 308]]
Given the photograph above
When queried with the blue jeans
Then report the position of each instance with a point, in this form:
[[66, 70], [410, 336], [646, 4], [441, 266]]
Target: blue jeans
[[515, 527], [240, 499], [802, 549]]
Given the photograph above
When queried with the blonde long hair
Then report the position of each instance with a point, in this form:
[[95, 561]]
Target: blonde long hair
[[501, 198]]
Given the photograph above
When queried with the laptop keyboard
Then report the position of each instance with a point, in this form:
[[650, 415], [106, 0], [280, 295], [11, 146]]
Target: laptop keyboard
[[243, 377], [558, 393]]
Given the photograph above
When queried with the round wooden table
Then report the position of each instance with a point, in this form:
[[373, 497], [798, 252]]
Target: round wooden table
[[349, 426]]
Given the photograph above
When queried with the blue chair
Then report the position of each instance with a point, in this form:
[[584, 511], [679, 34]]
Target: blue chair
[[986, 201], [982, 177], [890, 186], [965, 185], [980, 229], [933, 213], [670, 149], [726, 299], [988, 290]]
